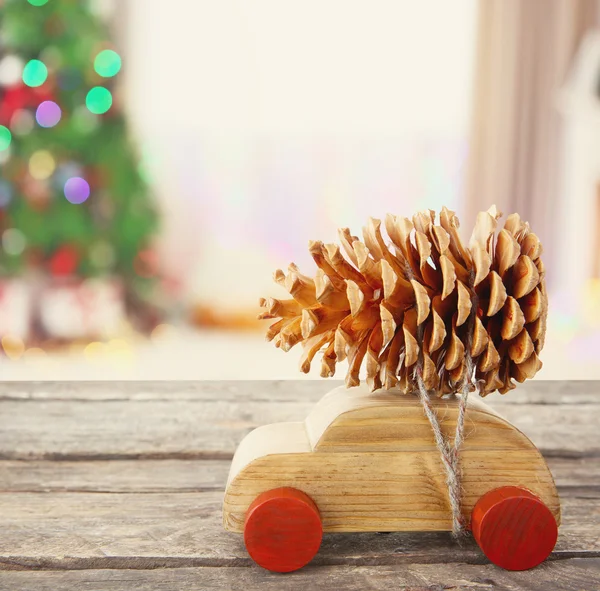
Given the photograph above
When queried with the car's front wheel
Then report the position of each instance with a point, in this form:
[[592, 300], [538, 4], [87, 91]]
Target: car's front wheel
[[283, 529], [514, 528]]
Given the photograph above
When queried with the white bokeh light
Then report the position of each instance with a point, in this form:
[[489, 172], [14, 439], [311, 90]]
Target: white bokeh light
[[11, 70]]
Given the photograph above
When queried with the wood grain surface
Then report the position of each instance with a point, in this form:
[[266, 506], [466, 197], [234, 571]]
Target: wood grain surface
[[118, 486], [353, 439]]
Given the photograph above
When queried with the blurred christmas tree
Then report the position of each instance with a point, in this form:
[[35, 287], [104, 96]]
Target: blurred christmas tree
[[73, 202]]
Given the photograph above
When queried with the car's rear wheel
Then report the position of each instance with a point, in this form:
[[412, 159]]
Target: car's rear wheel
[[283, 530], [514, 528]]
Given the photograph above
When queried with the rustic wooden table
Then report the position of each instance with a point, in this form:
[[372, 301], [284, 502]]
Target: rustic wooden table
[[118, 486]]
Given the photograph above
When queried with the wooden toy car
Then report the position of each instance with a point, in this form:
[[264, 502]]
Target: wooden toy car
[[366, 461]]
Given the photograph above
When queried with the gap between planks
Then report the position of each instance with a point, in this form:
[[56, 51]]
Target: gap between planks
[[531, 392], [176, 475], [93, 530], [573, 575], [470, 556], [165, 429]]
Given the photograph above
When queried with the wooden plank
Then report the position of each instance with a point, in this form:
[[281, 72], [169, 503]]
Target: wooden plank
[[189, 429], [151, 530], [547, 392], [51, 429], [575, 473], [576, 574], [530, 392], [581, 476], [233, 391], [143, 476], [568, 430]]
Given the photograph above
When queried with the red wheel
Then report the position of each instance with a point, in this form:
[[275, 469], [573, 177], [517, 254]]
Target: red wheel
[[514, 528], [283, 530]]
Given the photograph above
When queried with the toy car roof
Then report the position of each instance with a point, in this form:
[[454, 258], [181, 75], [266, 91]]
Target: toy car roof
[[388, 421], [360, 421]]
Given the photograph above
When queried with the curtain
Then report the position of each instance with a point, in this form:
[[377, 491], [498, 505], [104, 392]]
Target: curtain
[[524, 49]]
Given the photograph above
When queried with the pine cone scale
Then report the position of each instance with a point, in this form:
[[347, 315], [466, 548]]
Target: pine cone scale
[[421, 303]]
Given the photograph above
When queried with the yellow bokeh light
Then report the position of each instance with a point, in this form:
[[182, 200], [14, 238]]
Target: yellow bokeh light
[[94, 350], [34, 353], [118, 344], [594, 286], [13, 346], [119, 347], [121, 351], [42, 165]]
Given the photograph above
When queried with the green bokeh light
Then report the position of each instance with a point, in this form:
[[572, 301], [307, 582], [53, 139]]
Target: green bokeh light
[[5, 138], [35, 73], [38, 2], [99, 100], [107, 63]]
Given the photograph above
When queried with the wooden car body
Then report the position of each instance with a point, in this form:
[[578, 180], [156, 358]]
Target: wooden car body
[[369, 462]]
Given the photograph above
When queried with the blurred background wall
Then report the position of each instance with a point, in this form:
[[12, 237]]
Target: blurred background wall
[[271, 122], [260, 125]]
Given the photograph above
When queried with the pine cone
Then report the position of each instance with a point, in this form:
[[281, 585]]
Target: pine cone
[[421, 303]]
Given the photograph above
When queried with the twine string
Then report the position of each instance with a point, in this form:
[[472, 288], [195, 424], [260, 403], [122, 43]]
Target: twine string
[[450, 454], [462, 407]]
